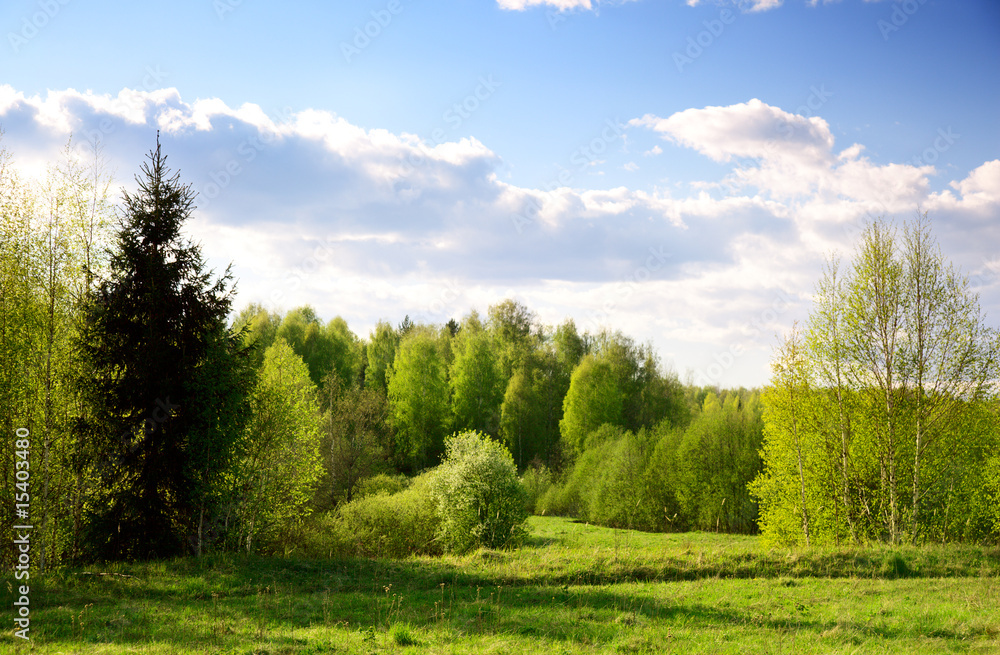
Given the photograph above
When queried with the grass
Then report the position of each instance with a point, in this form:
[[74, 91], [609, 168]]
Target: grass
[[573, 588]]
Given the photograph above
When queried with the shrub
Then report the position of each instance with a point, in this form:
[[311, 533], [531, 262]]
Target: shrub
[[391, 525], [536, 481], [480, 501], [382, 484], [618, 496], [319, 536]]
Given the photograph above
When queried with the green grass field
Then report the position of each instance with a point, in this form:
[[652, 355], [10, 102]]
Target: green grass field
[[573, 588]]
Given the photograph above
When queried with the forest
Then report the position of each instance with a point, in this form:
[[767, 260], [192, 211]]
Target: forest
[[163, 421]]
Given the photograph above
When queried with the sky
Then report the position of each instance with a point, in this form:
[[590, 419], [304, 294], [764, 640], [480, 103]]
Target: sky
[[677, 170]]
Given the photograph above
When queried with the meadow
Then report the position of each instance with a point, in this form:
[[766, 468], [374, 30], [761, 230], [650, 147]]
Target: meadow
[[572, 588]]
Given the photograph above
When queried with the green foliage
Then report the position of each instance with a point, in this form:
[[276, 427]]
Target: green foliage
[[259, 328], [532, 408], [418, 398], [668, 477], [383, 483], [358, 441], [276, 478], [569, 346], [593, 399], [380, 353], [510, 323], [325, 349], [479, 499], [54, 236], [717, 456], [476, 386], [537, 480], [874, 424], [155, 348], [391, 525]]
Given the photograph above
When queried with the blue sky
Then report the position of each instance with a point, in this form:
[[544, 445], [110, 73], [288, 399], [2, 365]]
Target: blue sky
[[676, 170]]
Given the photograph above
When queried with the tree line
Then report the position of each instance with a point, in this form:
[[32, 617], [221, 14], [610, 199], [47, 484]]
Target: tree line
[[164, 423], [160, 426], [881, 419]]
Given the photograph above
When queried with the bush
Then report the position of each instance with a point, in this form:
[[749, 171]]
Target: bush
[[536, 481], [319, 536], [480, 501], [382, 484], [392, 525]]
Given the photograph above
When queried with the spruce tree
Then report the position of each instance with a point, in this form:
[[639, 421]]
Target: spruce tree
[[167, 396]]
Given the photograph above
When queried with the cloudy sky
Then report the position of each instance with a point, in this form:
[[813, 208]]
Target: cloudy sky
[[674, 169]]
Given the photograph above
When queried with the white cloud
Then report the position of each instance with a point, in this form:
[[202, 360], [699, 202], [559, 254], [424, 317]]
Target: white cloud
[[750, 5], [980, 191], [368, 223], [561, 5], [751, 129]]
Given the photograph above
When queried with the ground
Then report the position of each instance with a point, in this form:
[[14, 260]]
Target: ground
[[572, 588]]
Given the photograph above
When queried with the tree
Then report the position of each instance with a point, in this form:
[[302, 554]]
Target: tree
[[593, 399], [20, 319], [357, 426], [380, 351], [281, 465], [153, 341], [418, 398], [510, 323], [875, 323], [950, 357], [828, 350], [302, 330], [346, 352], [476, 386], [533, 407], [716, 458], [569, 346], [901, 364], [479, 499], [786, 437], [259, 327]]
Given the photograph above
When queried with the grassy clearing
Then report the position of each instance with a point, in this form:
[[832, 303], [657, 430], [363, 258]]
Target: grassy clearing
[[572, 588]]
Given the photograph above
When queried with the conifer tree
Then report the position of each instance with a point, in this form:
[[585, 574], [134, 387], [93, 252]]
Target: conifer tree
[[168, 384]]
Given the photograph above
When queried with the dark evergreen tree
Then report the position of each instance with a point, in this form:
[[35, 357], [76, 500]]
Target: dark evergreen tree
[[169, 384]]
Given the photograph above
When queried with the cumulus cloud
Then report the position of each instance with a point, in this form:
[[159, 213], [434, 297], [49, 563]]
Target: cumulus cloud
[[751, 129], [750, 5], [561, 5], [789, 156], [369, 223]]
